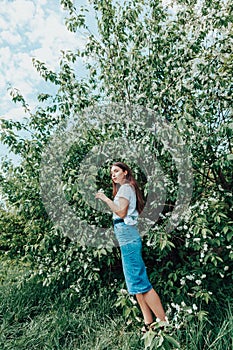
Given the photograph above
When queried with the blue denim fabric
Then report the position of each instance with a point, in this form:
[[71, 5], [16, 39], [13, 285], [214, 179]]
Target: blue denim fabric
[[125, 233], [131, 254]]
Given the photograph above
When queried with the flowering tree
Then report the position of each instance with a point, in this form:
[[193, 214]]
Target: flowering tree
[[172, 58]]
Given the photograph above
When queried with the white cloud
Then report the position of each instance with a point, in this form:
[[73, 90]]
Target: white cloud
[[52, 37], [3, 24], [18, 12], [30, 29], [16, 113], [17, 70], [5, 54], [10, 38]]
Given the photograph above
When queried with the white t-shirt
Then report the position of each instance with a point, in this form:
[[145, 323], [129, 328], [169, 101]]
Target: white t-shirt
[[127, 191]]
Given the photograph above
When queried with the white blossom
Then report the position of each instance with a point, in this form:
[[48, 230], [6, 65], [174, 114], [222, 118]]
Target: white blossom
[[123, 291], [176, 306], [205, 247], [198, 282], [133, 301], [190, 277], [202, 254]]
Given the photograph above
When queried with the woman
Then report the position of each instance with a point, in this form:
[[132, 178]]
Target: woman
[[126, 207]]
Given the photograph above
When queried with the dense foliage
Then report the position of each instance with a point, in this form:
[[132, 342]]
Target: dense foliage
[[176, 60]]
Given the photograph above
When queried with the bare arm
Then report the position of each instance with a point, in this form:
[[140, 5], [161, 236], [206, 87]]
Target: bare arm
[[120, 210]]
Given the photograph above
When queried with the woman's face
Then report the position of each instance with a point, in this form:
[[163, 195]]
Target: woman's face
[[118, 175]]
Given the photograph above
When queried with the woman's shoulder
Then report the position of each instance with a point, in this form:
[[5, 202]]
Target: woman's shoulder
[[127, 186]]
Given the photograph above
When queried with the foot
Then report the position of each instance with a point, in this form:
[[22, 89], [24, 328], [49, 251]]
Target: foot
[[146, 327], [158, 325]]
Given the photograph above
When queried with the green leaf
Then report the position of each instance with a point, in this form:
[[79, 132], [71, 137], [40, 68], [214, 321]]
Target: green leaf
[[230, 156], [172, 340]]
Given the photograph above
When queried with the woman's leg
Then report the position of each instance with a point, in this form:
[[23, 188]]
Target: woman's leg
[[146, 311], [150, 302], [153, 301]]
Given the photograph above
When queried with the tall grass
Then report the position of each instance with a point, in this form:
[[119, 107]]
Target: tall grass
[[207, 335], [34, 317], [38, 318]]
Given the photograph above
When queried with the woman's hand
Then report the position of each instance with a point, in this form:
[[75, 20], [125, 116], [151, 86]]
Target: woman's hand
[[120, 210], [102, 196]]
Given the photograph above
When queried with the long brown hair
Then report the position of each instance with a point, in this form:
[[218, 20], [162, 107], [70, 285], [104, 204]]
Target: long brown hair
[[131, 181]]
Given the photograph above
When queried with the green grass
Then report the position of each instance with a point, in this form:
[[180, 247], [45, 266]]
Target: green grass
[[209, 335], [34, 317]]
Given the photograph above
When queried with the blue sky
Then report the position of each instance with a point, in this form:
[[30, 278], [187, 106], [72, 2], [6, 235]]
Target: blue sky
[[31, 28]]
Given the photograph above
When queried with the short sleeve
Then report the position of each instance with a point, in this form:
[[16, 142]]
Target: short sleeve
[[125, 191]]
